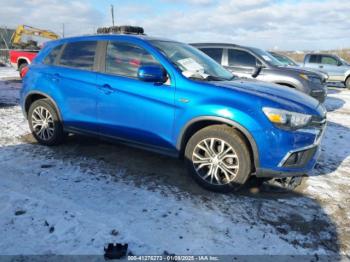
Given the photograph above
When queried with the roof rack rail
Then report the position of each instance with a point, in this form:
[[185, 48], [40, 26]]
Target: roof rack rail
[[124, 29]]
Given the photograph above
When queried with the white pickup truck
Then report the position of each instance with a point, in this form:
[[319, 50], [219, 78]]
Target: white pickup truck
[[337, 68]]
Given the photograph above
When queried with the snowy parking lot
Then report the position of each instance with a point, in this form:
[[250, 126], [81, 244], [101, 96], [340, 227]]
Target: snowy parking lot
[[77, 197]]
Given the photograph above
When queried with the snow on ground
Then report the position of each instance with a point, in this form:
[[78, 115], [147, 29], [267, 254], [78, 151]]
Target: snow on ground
[[77, 197], [7, 72]]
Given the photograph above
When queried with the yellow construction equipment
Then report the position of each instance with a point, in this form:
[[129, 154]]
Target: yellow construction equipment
[[35, 33]]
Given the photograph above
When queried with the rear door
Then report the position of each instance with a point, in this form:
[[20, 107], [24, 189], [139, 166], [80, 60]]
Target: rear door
[[76, 82], [131, 109]]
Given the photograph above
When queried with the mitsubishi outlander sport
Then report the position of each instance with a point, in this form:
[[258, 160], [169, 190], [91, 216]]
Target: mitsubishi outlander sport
[[169, 97]]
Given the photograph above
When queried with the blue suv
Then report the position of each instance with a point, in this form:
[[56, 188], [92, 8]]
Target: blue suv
[[169, 97]]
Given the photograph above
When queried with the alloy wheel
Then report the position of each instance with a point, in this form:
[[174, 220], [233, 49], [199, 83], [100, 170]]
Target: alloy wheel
[[215, 161], [42, 123]]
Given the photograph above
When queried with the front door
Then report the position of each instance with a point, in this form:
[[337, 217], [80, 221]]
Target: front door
[[332, 66], [131, 109]]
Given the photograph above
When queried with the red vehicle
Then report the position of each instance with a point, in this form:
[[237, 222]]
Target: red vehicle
[[20, 59], [27, 40]]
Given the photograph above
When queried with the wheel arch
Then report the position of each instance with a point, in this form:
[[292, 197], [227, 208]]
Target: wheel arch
[[36, 95], [198, 123], [286, 84], [21, 60]]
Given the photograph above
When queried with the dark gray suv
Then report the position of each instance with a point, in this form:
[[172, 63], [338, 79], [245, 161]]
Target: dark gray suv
[[250, 62]]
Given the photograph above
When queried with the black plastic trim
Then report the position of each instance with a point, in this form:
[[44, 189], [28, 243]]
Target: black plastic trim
[[242, 129]]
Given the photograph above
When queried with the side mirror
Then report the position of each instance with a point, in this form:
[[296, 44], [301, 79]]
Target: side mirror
[[340, 63], [152, 73], [257, 70]]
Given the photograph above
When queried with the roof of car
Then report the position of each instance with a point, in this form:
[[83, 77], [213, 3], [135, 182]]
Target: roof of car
[[320, 54], [112, 36], [222, 45], [215, 44]]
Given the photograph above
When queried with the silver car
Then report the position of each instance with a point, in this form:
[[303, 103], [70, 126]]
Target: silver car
[[337, 68]]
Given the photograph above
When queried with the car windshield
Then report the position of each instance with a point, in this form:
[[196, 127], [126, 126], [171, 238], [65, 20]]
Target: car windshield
[[193, 63], [285, 60], [267, 57]]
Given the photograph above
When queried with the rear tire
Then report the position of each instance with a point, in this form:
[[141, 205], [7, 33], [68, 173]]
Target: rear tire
[[44, 123], [218, 158], [347, 83]]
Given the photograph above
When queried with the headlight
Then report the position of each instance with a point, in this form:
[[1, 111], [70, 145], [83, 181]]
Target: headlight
[[315, 79], [286, 119], [304, 76], [311, 78]]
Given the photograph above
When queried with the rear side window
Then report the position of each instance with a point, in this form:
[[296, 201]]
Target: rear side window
[[125, 59], [241, 58], [328, 60], [51, 57], [214, 53], [79, 55], [314, 59]]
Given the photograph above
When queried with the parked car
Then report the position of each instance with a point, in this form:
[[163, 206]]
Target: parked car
[[169, 97], [250, 62], [20, 59], [287, 61], [337, 68]]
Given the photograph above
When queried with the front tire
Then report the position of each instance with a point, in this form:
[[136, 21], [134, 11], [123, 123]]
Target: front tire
[[44, 123], [218, 158]]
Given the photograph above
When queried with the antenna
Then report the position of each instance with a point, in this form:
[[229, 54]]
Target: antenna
[[112, 13]]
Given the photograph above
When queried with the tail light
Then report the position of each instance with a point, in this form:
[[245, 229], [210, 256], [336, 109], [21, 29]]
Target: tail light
[[23, 71]]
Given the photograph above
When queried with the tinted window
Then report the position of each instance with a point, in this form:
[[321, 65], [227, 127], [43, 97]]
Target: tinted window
[[329, 60], [314, 59], [240, 58], [79, 55], [215, 53], [125, 59], [51, 57]]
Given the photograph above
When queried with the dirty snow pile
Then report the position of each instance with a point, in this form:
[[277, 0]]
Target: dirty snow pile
[[77, 197]]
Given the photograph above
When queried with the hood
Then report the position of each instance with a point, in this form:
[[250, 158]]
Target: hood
[[299, 70], [288, 98], [308, 70]]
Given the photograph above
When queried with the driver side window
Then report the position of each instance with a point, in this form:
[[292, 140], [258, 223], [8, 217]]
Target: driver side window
[[241, 58], [125, 59], [328, 60]]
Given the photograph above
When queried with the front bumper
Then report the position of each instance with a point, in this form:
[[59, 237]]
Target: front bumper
[[299, 159]]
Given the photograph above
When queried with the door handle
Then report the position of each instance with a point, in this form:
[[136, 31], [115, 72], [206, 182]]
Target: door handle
[[321, 66]]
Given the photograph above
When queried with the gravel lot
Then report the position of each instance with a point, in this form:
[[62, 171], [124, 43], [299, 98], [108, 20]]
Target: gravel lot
[[75, 198]]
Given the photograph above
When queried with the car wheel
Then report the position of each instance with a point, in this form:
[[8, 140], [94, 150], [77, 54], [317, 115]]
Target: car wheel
[[347, 83], [20, 68], [44, 123], [218, 159]]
